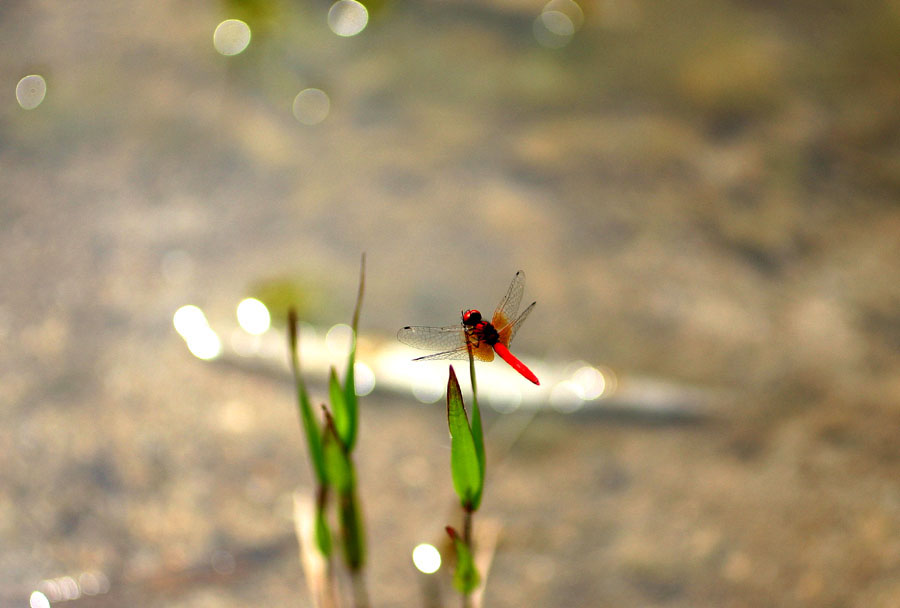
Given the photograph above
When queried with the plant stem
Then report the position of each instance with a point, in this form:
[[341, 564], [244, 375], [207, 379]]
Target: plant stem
[[468, 515], [467, 527], [360, 593]]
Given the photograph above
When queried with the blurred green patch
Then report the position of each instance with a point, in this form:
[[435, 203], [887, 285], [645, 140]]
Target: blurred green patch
[[280, 294]]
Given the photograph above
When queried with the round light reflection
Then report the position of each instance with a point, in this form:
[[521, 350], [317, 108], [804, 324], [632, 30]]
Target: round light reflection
[[38, 600], [253, 316], [567, 397], [347, 18], [188, 320], [505, 398], [204, 344], [553, 29], [231, 37], [311, 106], [426, 558], [363, 379], [428, 393], [591, 380], [30, 91], [569, 8], [338, 339]]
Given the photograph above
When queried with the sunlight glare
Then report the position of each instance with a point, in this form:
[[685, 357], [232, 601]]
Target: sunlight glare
[[338, 339], [311, 106], [569, 8], [364, 379], [591, 380], [30, 91], [231, 37], [253, 316], [428, 393], [347, 18], [38, 600], [567, 397], [426, 558], [69, 588], [553, 29], [204, 344], [188, 320], [505, 398], [93, 583]]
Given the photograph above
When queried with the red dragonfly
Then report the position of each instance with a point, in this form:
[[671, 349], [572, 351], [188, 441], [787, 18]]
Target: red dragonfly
[[485, 338]]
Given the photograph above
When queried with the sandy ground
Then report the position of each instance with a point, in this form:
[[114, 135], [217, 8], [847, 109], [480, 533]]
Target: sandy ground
[[706, 194]]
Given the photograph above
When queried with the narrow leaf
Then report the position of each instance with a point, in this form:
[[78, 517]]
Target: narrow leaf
[[466, 577], [310, 425], [350, 376], [342, 475], [337, 463], [339, 407], [323, 533], [464, 466], [477, 430]]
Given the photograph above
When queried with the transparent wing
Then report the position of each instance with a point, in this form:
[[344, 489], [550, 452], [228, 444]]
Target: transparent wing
[[459, 353], [509, 305], [447, 338], [450, 340], [513, 327]]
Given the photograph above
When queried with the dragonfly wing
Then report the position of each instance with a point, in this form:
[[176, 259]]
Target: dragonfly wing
[[459, 353], [509, 305], [449, 338], [482, 352], [508, 332]]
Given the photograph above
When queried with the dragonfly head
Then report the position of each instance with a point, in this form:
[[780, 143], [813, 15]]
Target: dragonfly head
[[471, 317]]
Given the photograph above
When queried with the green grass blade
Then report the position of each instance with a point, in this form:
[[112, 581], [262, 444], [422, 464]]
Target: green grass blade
[[342, 475], [466, 577], [477, 430], [310, 425], [323, 532], [350, 375], [339, 409], [464, 465], [337, 464]]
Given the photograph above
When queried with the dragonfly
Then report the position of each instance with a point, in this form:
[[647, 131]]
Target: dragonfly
[[484, 337]]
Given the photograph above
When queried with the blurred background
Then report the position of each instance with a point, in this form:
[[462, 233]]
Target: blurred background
[[701, 193]]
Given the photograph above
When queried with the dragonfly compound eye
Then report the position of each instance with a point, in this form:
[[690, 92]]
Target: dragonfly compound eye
[[471, 317]]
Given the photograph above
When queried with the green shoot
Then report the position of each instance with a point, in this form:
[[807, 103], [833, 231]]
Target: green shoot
[[465, 578], [465, 467]]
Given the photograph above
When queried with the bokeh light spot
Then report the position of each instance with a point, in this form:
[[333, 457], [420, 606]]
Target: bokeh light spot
[[338, 339], [567, 397], [311, 106], [569, 8], [253, 316], [30, 91], [204, 344], [591, 380], [426, 558], [93, 583], [347, 18], [188, 319], [38, 600], [505, 398], [201, 340], [231, 37], [363, 379], [553, 29], [427, 393]]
